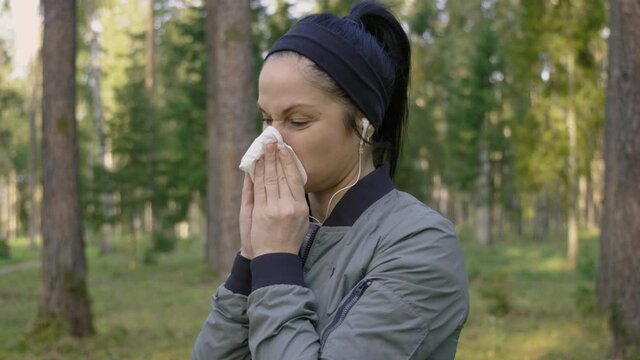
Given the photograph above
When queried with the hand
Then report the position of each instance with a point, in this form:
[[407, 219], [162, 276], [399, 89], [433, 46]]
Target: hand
[[246, 214], [280, 211]]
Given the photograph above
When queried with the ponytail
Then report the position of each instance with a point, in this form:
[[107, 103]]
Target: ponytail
[[385, 28]]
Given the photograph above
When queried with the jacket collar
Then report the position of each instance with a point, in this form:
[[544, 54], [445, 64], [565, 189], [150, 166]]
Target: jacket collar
[[358, 198]]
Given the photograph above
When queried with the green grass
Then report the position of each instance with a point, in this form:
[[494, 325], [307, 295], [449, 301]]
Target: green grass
[[19, 252], [153, 312], [545, 318], [523, 305]]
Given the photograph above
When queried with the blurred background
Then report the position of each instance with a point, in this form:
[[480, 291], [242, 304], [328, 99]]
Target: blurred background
[[505, 138]]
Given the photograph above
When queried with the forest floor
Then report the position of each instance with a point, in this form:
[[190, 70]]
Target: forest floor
[[7, 269], [525, 304]]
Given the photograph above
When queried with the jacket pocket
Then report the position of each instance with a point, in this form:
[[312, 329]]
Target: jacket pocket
[[343, 310]]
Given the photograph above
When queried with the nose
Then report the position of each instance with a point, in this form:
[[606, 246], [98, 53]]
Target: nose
[[282, 129], [278, 126]]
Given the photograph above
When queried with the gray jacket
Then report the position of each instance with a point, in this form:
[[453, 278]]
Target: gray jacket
[[383, 278]]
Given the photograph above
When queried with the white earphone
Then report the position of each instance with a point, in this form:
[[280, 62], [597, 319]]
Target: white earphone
[[365, 126]]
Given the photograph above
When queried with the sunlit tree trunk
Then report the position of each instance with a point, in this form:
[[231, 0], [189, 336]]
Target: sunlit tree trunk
[[64, 297], [95, 76], [596, 198], [583, 199], [619, 281], [36, 79], [572, 186], [231, 123]]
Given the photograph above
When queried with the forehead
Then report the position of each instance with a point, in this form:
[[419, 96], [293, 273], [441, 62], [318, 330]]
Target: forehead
[[284, 80]]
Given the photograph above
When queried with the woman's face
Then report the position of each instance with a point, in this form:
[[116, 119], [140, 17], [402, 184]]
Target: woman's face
[[310, 121]]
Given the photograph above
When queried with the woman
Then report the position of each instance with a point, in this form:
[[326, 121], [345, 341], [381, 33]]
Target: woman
[[382, 276]]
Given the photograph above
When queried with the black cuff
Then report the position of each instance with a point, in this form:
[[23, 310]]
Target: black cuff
[[275, 269], [239, 281]]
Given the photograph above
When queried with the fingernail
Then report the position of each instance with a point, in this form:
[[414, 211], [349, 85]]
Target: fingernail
[[270, 148], [283, 152]]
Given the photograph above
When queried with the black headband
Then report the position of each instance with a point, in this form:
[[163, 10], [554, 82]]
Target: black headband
[[340, 60]]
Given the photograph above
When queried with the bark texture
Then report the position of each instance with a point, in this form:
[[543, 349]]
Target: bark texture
[[619, 280], [230, 121], [64, 295]]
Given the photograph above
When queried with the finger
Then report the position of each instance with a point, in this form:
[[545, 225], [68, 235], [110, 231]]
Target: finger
[[247, 191], [270, 173], [260, 196], [292, 173], [283, 184]]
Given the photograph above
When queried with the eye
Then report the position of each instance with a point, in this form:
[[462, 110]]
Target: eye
[[299, 123], [267, 121]]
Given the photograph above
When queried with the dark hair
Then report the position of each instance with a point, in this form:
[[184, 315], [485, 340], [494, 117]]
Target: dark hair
[[376, 33]]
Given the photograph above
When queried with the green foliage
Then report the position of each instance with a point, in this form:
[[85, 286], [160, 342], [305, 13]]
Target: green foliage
[[495, 290], [45, 330], [584, 293], [5, 250], [130, 129], [150, 256], [163, 242], [338, 7], [477, 82], [181, 113], [159, 144], [472, 116]]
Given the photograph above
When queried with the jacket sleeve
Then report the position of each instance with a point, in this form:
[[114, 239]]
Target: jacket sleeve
[[224, 334], [411, 304]]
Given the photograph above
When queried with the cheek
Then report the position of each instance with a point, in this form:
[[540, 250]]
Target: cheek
[[320, 151], [302, 144]]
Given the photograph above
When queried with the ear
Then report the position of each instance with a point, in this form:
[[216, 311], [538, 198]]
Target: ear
[[370, 131], [370, 128]]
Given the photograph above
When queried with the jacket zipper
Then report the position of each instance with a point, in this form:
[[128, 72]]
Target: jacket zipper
[[308, 242], [342, 312]]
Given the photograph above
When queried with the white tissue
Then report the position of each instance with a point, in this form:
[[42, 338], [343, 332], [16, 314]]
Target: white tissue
[[270, 135]]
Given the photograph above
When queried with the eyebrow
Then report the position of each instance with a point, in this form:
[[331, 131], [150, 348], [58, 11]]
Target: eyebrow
[[288, 109]]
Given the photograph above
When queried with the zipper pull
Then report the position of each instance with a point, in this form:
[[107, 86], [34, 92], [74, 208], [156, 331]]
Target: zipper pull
[[360, 290]]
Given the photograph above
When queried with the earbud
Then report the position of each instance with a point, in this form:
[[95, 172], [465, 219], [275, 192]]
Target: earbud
[[365, 127]]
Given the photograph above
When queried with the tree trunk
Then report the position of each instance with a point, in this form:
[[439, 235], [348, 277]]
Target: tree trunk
[[152, 217], [4, 209], [31, 178], [597, 187], [619, 280], [483, 207], [458, 208], [541, 217], [572, 211], [13, 205], [95, 76], [194, 216], [583, 200], [231, 123], [440, 196], [64, 297]]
